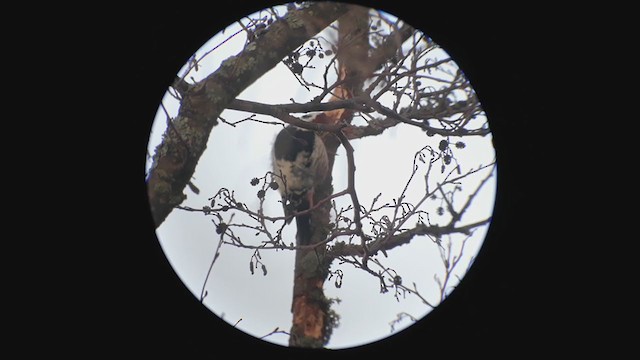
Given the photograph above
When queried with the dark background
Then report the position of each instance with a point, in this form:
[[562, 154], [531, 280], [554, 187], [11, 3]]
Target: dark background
[[533, 290]]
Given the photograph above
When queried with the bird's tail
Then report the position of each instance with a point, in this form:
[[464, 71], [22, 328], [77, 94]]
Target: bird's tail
[[296, 204], [303, 222]]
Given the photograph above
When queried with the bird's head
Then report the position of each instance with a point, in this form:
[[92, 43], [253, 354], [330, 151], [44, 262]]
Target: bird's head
[[318, 117]]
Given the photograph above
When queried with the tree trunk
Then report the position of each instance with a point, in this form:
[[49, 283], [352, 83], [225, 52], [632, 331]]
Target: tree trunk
[[313, 319]]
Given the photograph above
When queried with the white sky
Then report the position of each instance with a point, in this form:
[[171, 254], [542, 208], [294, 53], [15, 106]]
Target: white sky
[[258, 303]]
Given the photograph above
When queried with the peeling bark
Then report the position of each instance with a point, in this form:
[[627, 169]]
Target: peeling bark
[[312, 317]]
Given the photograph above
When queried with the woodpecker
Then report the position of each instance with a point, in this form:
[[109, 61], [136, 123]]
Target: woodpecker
[[300, 161]]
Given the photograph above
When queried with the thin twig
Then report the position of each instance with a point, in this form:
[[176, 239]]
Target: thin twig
[[203, 294]]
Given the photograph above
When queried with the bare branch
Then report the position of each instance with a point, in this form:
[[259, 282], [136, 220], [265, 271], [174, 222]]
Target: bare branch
[[403, 238], [203, 292], [449, 264], [399, 318], [172, 166], [351, 186], [470, 199], [277, 109], [275, 331]]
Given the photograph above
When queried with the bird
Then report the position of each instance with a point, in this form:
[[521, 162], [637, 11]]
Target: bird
[[300, 163]]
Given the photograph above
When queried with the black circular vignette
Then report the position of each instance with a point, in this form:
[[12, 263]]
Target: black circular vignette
[[503, 299]]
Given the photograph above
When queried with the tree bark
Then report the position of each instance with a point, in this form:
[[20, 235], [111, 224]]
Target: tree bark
[[313, 319], [185, 139]]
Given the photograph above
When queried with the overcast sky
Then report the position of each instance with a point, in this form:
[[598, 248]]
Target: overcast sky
[[235, 155]]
